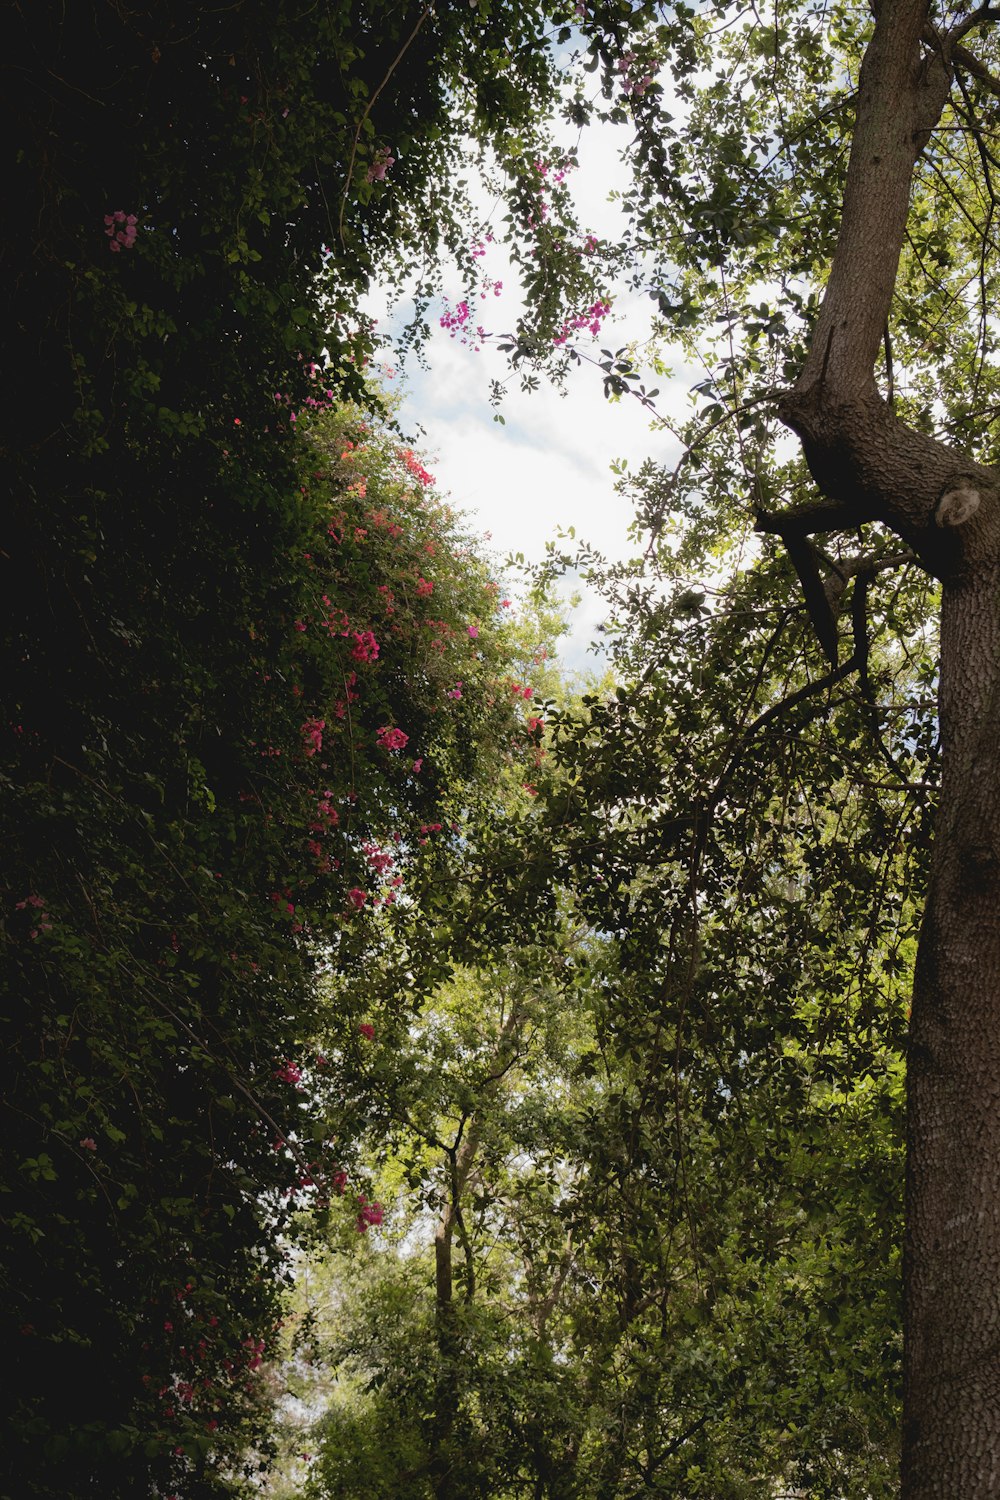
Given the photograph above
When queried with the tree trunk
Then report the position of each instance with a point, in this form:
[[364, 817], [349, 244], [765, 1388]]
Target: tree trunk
[[875, 469], [952, 1322], [445, 1480]]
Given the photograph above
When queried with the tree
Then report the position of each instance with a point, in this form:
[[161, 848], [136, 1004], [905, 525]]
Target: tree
[[201, 200], [828, 195], [667, 1258]]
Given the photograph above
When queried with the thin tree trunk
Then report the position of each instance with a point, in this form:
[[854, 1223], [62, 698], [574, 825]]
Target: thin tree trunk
[[446, 1482]]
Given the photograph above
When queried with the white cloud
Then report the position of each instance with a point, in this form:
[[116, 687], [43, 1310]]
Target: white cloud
[[549, 467]]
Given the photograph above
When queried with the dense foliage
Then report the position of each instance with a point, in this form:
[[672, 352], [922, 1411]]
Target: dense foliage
[[667, 1140], [300, 888], [248, 810], [228, 681]]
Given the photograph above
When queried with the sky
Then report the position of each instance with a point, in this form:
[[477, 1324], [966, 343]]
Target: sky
[[549, 467]]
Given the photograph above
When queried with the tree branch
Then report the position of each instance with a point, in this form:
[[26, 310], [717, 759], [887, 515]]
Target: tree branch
[[806, 520], [963, 58], [973, 19]]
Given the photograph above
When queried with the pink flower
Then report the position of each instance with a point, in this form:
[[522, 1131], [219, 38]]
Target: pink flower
[[357, 898], [424, 588], [312, 733], [535, 725], [454, 321], [365, 646], [416, 468], [369, 1213], [288, 1073], [383, 160], [473, 632], [505, 604], [417, 764], [120, 238], [88, 1143], [456, 691], [367, 1030], [390, 739]]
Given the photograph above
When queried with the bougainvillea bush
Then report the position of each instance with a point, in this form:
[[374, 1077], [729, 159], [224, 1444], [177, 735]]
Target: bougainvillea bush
[[243, 815], [245, 664]]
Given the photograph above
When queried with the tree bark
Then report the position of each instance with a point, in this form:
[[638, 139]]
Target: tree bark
[[446, 1483], [875, 469], [951, 1441]]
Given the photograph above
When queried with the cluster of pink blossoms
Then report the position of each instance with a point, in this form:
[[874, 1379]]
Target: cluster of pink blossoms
[[122, 238], [312, 734], [377, 858], [381, 163], [289, 1073], [456, 321], [636, 77], [592, 319], [415, 467], [327, 815], [43, 921], [256, 1352], [368, 1213], [365, 646], [391, 739]]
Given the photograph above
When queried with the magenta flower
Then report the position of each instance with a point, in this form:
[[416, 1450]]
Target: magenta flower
[[390, 739], [312, 734], [365, 646], [120, 229], [368, 1213]]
